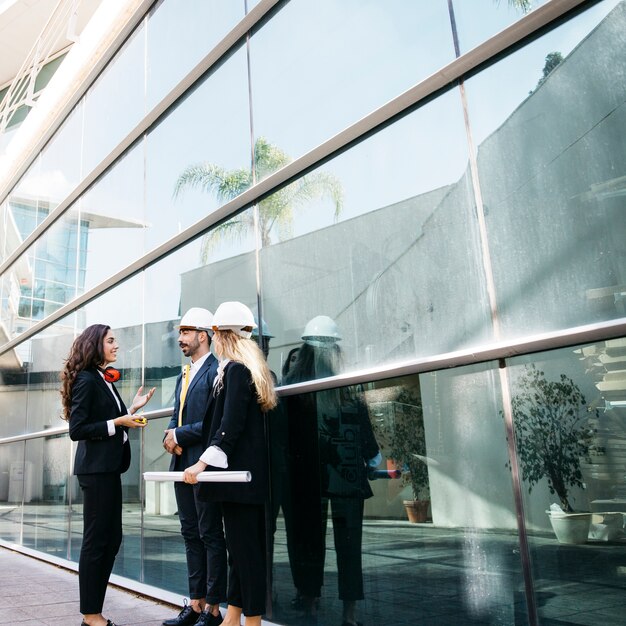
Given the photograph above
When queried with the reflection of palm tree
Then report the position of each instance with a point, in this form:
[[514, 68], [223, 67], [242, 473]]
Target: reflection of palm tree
[[276, 209], [524, 5]]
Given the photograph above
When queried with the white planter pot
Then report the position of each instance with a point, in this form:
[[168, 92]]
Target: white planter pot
[[571, 527]]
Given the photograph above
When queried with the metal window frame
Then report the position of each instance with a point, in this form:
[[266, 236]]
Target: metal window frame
[[508, 39]]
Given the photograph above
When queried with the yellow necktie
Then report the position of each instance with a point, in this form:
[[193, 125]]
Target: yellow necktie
[[183, 393]]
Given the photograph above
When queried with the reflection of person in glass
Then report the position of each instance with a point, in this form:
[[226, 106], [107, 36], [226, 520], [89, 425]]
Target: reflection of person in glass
[[99, 421], [234, 437], [200, 521], [338, 424]]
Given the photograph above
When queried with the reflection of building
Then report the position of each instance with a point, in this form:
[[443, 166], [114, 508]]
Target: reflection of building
[[53, 272], [605, 470]]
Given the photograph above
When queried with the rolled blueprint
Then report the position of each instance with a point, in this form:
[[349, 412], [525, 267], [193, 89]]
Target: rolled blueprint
[[203, 477]]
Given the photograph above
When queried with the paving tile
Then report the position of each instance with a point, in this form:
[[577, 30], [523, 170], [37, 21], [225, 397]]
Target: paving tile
[[42, 611], [13, 615]]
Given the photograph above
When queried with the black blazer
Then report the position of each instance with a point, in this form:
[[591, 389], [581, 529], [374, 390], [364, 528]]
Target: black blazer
[[189, 435], [92, 406], [235, 423]]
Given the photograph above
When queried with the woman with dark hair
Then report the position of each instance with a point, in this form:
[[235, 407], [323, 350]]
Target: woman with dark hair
[[99, 421]]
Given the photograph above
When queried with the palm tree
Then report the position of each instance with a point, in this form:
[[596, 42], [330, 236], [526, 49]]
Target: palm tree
[[275, 210]]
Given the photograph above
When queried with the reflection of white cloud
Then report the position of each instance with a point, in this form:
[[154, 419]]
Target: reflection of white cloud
[[51, 186]]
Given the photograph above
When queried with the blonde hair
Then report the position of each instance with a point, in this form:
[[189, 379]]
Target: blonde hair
[[246, 352]]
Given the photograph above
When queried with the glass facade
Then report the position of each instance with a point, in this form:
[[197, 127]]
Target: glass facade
[[442, 197]]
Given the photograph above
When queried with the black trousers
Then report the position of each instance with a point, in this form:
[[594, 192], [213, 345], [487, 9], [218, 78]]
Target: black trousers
[[102, 536], [245, 538], [205, 546], [306, 542]]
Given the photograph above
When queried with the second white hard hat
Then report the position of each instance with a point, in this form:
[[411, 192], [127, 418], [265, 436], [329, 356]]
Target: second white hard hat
[[196, 318], [234, 316], [321, 330]]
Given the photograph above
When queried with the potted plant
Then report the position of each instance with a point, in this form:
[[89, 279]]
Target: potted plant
[[400, 433], [553, 436]]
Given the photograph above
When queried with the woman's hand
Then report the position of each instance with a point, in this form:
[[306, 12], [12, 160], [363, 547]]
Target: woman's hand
[[190, 475], [139, 400], [131, 421]]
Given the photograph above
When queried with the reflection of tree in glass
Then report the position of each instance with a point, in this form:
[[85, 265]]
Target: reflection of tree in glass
[[402, 436], [552, 60], [276, 210], [524, 5], [552, 432]]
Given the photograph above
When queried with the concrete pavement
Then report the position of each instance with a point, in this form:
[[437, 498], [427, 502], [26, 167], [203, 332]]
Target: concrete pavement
[[37, 593]]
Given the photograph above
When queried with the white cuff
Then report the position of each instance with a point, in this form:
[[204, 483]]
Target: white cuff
[[215, 456], [174, 435], [111, 427]]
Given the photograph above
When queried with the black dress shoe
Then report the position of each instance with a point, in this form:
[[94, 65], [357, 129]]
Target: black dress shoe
[[187, 617], [208, 619]]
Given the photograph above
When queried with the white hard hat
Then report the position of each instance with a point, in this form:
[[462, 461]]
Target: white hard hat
[[320, 331], [264, 329], [197, 318], [234, 316]]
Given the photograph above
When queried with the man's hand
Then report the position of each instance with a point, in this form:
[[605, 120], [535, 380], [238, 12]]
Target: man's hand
[[169, 443]]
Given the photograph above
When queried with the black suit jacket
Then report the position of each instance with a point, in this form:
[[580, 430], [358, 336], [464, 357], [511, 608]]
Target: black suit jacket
[[236, 424], [189, 435], [92, 406]]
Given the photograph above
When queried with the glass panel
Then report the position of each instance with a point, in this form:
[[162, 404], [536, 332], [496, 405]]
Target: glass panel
[[477, 20], [60, 169], [198, 158], [180, 34], [345, 59], [359, 456], [400, 275], [13, 396], [17, 227], [53, 175], [116, 102], [47, 275], [76, 517], [46, 510], [16, 480], [569, 410], [553, 185], [165, 564], [188, 282], [128, 560], [112, 214]]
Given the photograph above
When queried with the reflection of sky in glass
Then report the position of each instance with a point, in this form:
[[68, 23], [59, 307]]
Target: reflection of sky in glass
[[495, 93], [318, 67], [180, 34], [210, 126], [345, 59]]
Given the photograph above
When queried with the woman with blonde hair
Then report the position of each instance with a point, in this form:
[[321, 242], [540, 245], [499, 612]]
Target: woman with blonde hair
[[99, 422], [234, 438]]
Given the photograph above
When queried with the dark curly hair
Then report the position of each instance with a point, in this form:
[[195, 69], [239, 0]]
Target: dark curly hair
[[86, 351]]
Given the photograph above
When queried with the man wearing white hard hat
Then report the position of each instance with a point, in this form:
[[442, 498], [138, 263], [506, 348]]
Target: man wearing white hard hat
[[200, 521]]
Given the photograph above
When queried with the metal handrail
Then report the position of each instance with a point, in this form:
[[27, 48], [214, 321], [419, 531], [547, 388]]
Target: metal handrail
[[494, 352]]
